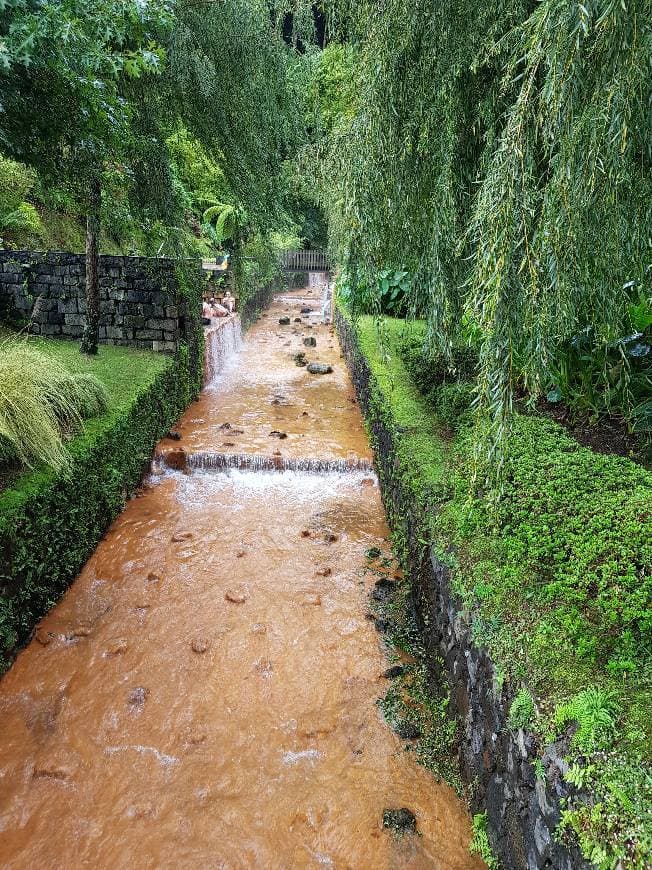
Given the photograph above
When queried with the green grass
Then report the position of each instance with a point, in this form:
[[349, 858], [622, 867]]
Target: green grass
[[557, 577]]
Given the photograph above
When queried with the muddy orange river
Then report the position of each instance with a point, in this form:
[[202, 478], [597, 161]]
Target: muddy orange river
[[204, 695]]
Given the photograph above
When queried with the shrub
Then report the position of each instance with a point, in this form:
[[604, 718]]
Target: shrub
[[39, 398], [453, 404]]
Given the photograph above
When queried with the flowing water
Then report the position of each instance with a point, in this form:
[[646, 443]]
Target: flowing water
[[204, 695]]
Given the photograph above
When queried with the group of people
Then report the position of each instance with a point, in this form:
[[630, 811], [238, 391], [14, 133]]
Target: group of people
[[212, 308]]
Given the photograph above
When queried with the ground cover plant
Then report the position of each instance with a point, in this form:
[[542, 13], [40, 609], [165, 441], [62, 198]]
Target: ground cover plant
[[556, 572]]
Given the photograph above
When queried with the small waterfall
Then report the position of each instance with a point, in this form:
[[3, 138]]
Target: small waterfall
[[222, 340], [256, 462]]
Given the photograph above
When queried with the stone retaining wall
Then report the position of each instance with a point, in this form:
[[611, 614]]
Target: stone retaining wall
[[522, 809], [140, 302]]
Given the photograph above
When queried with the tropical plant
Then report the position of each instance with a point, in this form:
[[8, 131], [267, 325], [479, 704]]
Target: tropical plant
[[593, 711]]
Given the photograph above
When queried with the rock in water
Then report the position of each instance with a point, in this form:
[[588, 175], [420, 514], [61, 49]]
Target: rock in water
[[394, 672], [319, 369], [199, 645], [402, 821], [407, 731], [284, 321], [310, 341], [306, 310]]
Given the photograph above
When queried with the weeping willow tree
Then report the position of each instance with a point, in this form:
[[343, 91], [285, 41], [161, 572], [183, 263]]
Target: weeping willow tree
[[229, 78], [502, 153]]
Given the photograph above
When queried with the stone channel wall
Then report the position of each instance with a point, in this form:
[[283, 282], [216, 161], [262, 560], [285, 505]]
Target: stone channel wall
[[523, 810], [140, 301]]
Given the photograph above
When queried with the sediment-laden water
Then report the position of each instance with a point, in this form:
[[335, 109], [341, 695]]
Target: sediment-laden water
[[204, 695]]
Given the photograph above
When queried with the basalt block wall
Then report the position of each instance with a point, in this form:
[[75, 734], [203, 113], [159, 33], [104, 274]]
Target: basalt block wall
[[523, 811], [140, 301]]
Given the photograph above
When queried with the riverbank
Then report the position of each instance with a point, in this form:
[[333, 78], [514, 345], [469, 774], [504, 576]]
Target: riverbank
[[553, 733], [50, 522]]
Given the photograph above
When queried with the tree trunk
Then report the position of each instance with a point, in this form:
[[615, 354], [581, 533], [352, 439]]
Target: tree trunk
[[91, 336]]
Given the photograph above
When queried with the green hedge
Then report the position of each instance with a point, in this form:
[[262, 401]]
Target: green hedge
[[556, 573], [51, 523]]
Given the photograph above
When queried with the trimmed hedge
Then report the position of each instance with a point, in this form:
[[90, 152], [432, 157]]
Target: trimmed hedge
[[555, 576]]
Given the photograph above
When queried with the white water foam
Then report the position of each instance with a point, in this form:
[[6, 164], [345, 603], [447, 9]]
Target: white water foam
[[222, 341]]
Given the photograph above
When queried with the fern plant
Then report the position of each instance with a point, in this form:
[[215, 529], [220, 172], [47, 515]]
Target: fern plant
[[594, 712]]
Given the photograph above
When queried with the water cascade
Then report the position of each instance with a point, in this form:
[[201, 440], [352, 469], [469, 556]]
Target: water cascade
[[222, 340], [205, 694], [256, 462]]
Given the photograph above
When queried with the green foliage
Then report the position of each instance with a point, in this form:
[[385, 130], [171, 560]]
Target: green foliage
[[593, 711], [555, 572], [388, 293], [501, 152], [19, 220], [521, 711], [39, 400], [70, 511], [332, 89], [480, 842]]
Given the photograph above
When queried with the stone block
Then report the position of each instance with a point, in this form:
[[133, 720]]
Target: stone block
[[71, 330], [50, 329], [164, 346], [149, 334], [68, 305]]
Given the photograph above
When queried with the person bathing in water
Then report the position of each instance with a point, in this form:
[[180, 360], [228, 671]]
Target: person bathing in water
[[218, 310], [228, 301]]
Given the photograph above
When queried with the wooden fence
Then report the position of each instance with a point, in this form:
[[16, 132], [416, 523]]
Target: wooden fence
[[305, 261]]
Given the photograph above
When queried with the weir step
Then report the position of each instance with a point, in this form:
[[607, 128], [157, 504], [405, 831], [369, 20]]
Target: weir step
[[182, 461]]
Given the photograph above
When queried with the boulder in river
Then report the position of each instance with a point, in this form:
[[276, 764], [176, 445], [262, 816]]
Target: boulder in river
[[284, 321], [306, 310], [407, 731], [402, 821], [317, 368], [310, 341]]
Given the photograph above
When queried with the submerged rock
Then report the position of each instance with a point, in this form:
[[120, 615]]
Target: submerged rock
[[402, 821], [284, 321], [306, 310], [317, 368], [300, 359], [310, 341], [407, 731], [200, 645], [117, 647], [394, 672], [276, 434], [236, 596]]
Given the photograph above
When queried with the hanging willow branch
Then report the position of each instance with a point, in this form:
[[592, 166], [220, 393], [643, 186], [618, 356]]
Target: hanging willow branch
[[500, 152]]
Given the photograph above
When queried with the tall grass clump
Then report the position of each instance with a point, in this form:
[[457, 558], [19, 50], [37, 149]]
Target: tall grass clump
[[40, 401]]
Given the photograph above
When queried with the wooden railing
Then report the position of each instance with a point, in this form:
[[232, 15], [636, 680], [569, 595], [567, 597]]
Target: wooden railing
[[305, 261]]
